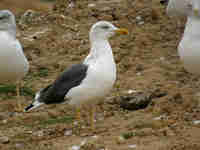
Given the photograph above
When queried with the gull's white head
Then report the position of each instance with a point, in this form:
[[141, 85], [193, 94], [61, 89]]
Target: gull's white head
[[7, 20], [104, 30]]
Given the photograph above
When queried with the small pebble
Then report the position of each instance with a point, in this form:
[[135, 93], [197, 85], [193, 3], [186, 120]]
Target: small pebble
[[4, 140], [121, 138], [141, 23], [83, 142], [159, 117], [71, 5], [19, 145], [75, 147], [68, 133], [196, 121], [162, 58], [29, 132], [95, 136], [39, 133], [131, 91], [132, 146], [4, 121], [91, 5], [138, 18]]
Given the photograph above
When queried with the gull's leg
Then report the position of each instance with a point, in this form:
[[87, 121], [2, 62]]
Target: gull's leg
[[19, 107], [92, 113], [77, 120]]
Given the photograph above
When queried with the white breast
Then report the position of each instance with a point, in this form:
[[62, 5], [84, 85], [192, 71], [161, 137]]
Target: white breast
[[100, 78], [189, 47], [13, 63], [189, 52]]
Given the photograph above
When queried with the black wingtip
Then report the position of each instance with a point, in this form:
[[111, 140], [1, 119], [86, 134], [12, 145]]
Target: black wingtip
[[164, 2], [28, 108]]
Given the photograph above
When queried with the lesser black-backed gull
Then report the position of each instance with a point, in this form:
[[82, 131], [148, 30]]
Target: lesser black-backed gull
[[89, 80], [176, 7]]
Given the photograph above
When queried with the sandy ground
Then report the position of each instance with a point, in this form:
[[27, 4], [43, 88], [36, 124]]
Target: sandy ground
[[56, 36]]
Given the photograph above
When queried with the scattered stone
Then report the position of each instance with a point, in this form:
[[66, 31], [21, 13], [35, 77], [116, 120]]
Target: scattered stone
[[4, 121], [120, 140], [92, 146], [83, 142], [161, 117], [138, 18], [39, 133], [75, 147], [132, 146], [91, 5], [95, 137], [71, 4], [106, 9], [19, 145], [162, 58], [131, 91], [29, 132], [68, 133], [141, 23], [4, 140], [196, 122]]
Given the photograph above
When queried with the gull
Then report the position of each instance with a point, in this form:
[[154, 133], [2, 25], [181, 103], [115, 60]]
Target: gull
[[176, 8], [189, 47], [87, 81], [13, 63]]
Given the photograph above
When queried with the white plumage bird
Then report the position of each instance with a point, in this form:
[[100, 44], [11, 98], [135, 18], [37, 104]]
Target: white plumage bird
[[13, 63], [177, 8], [189, 46], [89, 80]]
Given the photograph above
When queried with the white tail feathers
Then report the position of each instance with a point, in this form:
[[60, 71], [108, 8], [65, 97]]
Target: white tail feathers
[[32, 106], [35, 104]]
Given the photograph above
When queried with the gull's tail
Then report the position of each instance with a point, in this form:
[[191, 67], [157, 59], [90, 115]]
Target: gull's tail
[[35, 104]]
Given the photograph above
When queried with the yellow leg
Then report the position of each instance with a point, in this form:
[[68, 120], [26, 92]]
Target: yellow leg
[[92, 112], [77, 120], [19, 107]]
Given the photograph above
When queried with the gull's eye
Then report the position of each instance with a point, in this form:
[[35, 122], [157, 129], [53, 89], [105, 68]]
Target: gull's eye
[[105, 27]]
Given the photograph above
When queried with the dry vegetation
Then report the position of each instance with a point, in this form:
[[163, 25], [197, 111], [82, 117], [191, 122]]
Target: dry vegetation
[[146, 60]]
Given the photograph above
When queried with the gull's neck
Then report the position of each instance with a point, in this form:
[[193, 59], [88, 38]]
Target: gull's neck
[[192, 28], [100, 48]]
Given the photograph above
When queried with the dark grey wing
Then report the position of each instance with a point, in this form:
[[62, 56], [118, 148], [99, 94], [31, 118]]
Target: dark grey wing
[[70, 78]]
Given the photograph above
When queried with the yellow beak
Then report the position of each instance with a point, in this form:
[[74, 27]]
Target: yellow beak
[[196, 12], [121, 31]]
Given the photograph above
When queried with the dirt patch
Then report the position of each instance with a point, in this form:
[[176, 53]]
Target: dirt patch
[[147, 60]]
